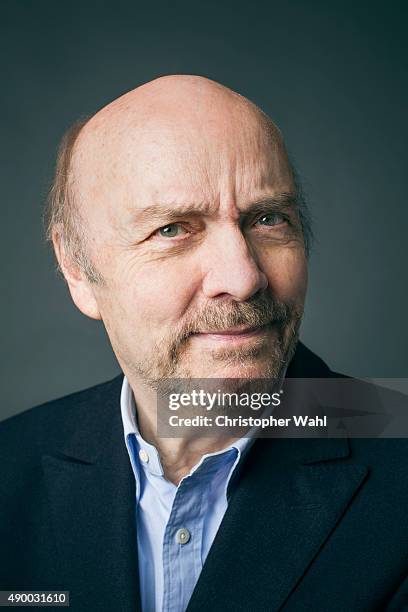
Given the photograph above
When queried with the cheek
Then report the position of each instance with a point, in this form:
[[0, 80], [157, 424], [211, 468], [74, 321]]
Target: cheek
[[286, 271], [157, 296]]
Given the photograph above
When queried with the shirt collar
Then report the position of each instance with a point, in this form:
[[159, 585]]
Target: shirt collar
[[130, 426]]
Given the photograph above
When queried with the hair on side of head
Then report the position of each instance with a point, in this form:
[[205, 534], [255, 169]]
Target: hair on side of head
[[62, 211], [305, 216]]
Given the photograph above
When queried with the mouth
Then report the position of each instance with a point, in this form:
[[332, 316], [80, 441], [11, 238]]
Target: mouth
[[234, 335]]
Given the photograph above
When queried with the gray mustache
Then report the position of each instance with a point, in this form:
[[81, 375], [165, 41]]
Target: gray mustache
[[256, 312]]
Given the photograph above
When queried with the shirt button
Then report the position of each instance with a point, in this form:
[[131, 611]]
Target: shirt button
[[143, 456], [182, 536]]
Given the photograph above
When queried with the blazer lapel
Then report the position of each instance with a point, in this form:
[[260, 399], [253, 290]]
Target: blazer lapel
[[289, 498], [91, 491]]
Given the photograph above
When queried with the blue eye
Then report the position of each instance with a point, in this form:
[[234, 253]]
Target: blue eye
[[170, 231], [271, 219]]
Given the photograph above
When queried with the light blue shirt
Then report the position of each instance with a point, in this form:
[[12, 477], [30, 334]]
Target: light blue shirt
[[176, 525]]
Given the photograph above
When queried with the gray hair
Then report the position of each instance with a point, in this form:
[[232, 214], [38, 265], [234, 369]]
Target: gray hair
[[62, 210]]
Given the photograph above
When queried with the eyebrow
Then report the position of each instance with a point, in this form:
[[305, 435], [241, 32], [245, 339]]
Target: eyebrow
[[278, 202], [171, 212]]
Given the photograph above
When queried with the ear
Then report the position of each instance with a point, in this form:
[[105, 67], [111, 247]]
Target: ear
[[78, 284]]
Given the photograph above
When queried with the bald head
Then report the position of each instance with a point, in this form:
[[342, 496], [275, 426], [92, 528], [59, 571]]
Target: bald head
[[146, 141], [180, 102]]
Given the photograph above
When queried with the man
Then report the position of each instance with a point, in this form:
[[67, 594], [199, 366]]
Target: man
[[176, 219]]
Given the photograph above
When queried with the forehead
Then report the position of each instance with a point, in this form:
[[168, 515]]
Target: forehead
[[123, 166]]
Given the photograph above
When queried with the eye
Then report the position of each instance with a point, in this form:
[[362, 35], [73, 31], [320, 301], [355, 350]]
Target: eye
[[271, 219], [173, 230]]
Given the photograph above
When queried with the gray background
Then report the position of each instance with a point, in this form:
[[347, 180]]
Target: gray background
[[331, 74]]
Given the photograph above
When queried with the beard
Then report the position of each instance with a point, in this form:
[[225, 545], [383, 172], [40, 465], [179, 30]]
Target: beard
[[270, 353]]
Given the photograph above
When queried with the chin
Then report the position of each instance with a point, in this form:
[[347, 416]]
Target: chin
[[233, 378], [250, 369]]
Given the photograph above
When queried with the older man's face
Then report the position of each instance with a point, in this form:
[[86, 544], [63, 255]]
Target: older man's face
[[193, 230]]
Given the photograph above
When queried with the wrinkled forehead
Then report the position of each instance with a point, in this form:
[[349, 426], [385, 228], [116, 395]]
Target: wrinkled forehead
[[135, 158]]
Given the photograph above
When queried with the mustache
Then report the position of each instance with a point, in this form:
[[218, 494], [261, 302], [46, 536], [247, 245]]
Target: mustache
[[262, 309], [257, 311]]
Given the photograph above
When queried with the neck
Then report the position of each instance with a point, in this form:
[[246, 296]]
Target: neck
[[177, 455]]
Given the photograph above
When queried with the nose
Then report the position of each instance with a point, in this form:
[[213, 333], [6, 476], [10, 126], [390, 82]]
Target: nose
[[230, 268]]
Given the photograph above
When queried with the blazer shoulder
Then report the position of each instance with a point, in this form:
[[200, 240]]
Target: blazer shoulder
[[39, 427]]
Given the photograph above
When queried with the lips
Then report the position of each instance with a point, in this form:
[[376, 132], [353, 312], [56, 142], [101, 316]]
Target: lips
[[239, 330], [233, 331]]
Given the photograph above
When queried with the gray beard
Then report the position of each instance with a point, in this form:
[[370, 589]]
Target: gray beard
[[169, 358]]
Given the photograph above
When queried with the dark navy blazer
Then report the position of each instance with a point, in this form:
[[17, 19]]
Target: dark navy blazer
[[313, 525]]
